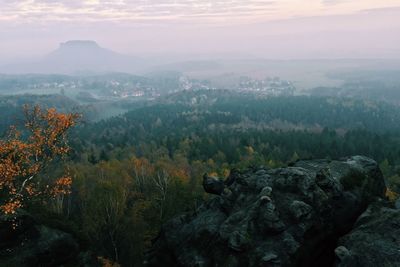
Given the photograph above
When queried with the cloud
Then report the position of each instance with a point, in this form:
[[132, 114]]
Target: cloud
[[129, 9], [184, 11], [333, 2]]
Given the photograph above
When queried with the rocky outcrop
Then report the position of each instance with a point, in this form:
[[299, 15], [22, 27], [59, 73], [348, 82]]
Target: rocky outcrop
[[374, 241], [24, 242], [290, 216], [213, 185]]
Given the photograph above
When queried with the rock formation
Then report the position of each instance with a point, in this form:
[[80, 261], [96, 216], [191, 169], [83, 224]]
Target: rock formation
[[374, 240], [301, 215], [213, 185], [25, 243], [78, 56]]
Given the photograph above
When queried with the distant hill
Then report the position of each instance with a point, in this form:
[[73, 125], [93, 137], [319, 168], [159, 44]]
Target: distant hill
[[78, 56]]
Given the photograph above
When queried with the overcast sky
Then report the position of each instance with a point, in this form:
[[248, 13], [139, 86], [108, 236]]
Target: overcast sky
[[270, 29]]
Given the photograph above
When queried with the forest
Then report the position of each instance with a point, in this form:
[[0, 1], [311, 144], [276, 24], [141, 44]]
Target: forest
[[132, 172]]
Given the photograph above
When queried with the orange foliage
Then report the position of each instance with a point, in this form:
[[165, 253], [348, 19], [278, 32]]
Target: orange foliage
[[391, 195], [213, 174], [62, 186], [107, 263], [11, 206], [22, 159]]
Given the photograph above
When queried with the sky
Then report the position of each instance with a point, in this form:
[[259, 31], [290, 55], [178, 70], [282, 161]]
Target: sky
[[261, 28]]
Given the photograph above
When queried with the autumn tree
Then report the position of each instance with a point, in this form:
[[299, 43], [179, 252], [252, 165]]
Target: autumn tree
[[25, 153], [161, 182], [142, 170]]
